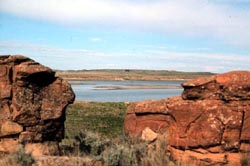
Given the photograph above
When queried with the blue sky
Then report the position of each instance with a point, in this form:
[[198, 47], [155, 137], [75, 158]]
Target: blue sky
[[185, 35]]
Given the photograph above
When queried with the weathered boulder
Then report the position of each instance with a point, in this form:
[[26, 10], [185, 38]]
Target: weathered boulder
[[230, 86], [208, 125], [32, 104]]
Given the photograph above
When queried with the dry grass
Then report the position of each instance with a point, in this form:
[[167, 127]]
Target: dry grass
[[19, 158]]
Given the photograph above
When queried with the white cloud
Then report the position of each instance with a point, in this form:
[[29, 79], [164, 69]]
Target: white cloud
[[216, 19], [61, 58], [193, 55], [43, 49], [95, 39]]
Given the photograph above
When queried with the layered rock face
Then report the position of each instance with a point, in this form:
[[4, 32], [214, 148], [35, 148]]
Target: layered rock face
[[208, 125], [32, 106]]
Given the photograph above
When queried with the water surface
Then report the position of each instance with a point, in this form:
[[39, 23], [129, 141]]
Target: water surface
[[87, 91]]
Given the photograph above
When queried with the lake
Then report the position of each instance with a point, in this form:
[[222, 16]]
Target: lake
[[90, 91]]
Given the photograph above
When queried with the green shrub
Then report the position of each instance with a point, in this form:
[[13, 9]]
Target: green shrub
[[157, 153], [84, 143], [127, 152], [136, 152], [20, 158], [90, 143], [113, 156], [245, 160]]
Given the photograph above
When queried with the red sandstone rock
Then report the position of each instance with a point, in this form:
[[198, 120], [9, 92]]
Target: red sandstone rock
[[148, 135], [191, 157], [44, 148], [9, 145], [10, 128], [207, 125], [188, 122], [32, 102], [229, 86]]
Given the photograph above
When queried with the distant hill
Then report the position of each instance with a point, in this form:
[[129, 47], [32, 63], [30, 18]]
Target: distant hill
[[127, 74]]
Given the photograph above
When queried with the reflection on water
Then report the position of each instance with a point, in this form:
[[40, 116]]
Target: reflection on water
[[85, 90]]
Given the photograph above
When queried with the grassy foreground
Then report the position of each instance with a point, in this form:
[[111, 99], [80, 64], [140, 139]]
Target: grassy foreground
[[104, 118], [95, 129]]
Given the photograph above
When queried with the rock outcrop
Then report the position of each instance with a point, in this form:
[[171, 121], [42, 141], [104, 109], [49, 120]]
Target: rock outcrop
[[32, 106], [208, 125]]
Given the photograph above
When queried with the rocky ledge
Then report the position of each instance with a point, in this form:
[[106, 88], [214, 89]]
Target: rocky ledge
[[208, 125], [32, 106]]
